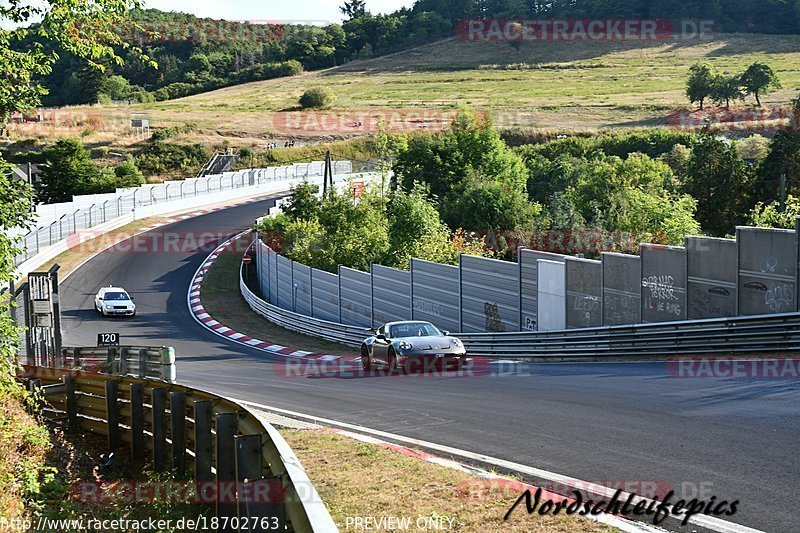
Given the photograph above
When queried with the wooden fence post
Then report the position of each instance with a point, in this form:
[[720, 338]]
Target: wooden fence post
[[137, 421], [177, 407], [226, 465], [72, 406], [203, 451], [159, 401], [112, 415]]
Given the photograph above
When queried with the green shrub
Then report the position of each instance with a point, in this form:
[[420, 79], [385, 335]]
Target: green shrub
[[317, 98]]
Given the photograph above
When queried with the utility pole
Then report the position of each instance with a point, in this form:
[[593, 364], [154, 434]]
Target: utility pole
[[328, 172], [782, 199]]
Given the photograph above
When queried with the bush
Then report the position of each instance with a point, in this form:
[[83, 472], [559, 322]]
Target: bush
[[318, 98], [161, 158]]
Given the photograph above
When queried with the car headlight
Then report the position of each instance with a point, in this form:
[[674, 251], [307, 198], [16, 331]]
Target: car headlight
[[457, 343], [109, 306], [405, 345]]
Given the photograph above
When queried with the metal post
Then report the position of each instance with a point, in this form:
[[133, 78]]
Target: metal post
[[56, 307], [60, 227]]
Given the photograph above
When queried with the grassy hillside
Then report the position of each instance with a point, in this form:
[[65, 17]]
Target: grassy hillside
[[564, 86]]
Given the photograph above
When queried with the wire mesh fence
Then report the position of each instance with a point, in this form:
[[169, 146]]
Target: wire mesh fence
[[57, 222]]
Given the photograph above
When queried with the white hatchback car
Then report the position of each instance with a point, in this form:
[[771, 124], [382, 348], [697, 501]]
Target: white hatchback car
[[114, 301]]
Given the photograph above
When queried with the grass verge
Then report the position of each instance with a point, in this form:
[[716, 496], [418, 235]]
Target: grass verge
[[366, 480], [222, 300]]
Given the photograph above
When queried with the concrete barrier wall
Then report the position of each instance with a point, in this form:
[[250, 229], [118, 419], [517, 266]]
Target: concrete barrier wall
[[489, 295], [767, 271], [355, 297], [711, 277], [584, 290], [622, 289], [301, 280], [663, 283], [325, 295], [435, 294], [285, 276], [391, 294], [552, 299]]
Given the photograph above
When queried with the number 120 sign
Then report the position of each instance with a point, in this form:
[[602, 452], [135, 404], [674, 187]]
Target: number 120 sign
[[108, 339]]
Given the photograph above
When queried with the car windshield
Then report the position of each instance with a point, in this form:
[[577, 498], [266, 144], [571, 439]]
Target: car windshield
[[415, 329], [116, 296]]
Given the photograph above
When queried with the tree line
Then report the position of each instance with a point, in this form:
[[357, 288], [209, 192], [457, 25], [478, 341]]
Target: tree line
[[193, 55], [706, 82]]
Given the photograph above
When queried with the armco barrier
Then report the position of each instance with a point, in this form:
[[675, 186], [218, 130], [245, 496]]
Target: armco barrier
[[196, 434], [139, 361], [750, 334]]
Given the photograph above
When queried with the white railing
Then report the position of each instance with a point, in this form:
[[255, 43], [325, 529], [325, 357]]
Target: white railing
[[55, 223]]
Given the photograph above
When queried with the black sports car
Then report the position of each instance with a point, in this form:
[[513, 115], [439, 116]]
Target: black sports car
[[411, 344]]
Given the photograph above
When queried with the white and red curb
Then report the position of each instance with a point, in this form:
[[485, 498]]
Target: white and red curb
[[195, 304], [201, 315]]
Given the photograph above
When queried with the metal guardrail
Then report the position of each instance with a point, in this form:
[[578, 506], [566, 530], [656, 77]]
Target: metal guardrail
[[138, 361], [332, 331], [748, 334], [196, 434]]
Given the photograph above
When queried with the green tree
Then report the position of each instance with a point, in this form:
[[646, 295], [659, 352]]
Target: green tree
[[68, 171], [491, 206], [353, 8], [727, 88], [470, 147], [701, 83], [128, 174], [771, 215], [304, 203], [415, 229], [117, 88], [783, 160], [84, 28], [759, 80], [21, 69], [721, 182]]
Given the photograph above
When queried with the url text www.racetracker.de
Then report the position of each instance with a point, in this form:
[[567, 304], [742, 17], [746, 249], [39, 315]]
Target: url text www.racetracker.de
[[198, 523], [655, 510]]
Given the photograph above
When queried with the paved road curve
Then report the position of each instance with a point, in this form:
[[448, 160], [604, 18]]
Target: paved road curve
[[598, 422]]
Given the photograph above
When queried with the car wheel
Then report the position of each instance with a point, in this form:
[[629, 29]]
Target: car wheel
[[366, 362], [133, 315], [461, 362], [392, 362]]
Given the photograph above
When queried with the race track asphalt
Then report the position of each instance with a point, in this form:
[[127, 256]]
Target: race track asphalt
[[624, 422]]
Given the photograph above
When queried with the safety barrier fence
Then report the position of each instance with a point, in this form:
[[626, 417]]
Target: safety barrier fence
[[755, 274], [56, 222], [241, 465], [749, 334], [138, 361]]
